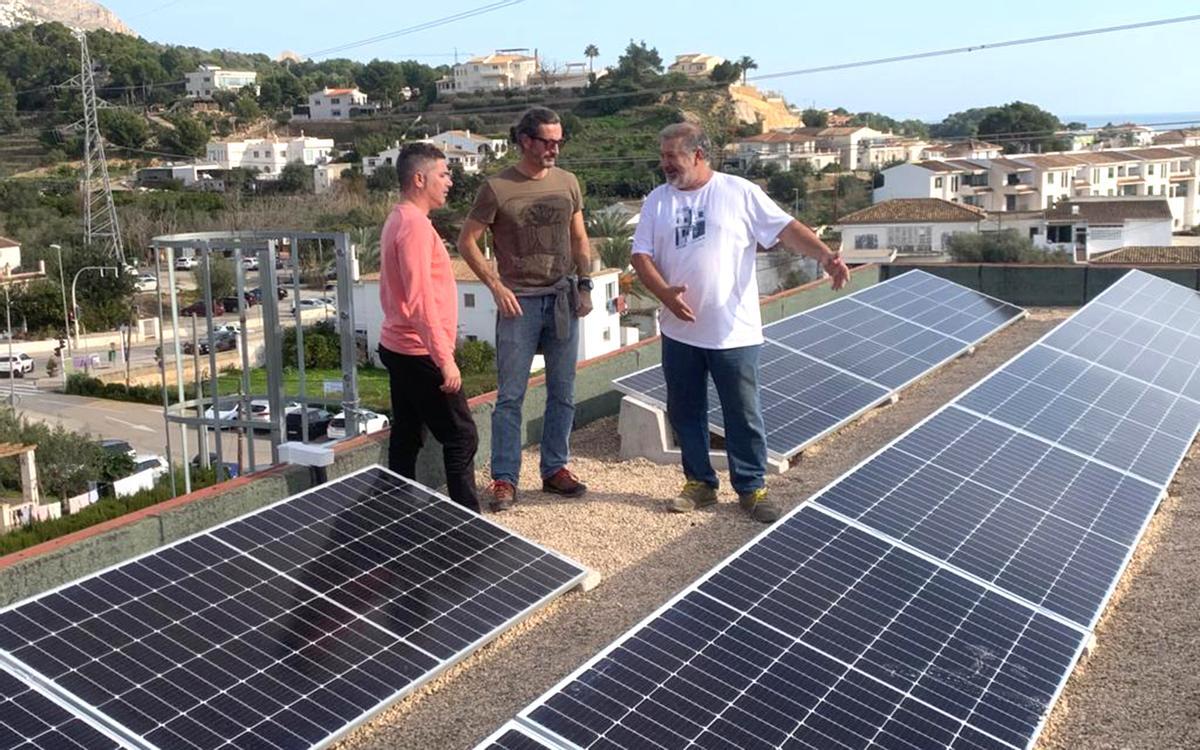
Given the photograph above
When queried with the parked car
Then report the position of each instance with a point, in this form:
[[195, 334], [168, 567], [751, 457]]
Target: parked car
[[250, 263], [231, 469], [18, 365], [186, 263], [223, 409], [318, 424], [116, 445], [230, 303], [224, 342], [197, 308], [279, 291], [370, 421], [230, 328], [146, 282], [146, 471]]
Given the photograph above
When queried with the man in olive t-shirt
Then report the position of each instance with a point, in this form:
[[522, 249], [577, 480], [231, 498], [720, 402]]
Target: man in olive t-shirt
[[534, 210]]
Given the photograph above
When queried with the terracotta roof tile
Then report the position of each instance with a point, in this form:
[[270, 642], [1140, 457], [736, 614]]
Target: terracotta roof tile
[[1150, 255], [912, 210], [1114, 211]]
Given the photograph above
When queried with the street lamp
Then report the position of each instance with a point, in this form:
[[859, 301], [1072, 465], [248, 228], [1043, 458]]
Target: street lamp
[[62, 287], [74, 303]]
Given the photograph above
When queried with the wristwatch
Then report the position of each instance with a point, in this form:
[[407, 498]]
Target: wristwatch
[[584, 283]]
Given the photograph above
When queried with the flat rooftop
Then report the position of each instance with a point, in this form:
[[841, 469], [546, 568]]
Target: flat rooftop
[[1138, 688]]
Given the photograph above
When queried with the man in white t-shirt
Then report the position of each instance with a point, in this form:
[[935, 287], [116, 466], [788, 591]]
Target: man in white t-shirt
[[695, 249]]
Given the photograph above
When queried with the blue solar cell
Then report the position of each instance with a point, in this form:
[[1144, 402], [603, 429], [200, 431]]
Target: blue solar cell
[[820, 635], [31, 721], [285, 627], [512, 737]]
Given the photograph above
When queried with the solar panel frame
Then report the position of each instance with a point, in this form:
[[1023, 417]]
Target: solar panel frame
[[515, 736], [78, 729], [131, 738], [650, 395], [525, 717]]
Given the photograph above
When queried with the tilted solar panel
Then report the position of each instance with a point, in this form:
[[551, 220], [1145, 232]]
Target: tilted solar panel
[[31, 721], [825, 366], [287, 627]]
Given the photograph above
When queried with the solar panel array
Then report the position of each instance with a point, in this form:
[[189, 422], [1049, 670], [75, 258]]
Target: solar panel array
[[825, 366], [287, 627], [939, 594], [31, 721]]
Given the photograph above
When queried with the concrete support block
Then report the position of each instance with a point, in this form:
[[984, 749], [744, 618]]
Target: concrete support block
[[645, 433]]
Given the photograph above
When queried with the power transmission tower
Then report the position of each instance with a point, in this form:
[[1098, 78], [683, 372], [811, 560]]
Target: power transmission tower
[[100, 225]]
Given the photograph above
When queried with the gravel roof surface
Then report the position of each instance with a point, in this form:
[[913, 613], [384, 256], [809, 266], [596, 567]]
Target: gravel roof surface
[[1139, 688]]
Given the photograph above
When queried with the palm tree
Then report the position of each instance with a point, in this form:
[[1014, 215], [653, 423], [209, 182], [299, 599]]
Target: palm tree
[[746, 64], [367, 241], [591, 52]]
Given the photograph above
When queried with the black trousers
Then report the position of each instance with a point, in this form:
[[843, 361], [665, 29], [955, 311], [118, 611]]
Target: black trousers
[[419, 403]]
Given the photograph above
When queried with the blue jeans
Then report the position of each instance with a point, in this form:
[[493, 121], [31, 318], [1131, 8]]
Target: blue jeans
[[517, 341], [735, 374]]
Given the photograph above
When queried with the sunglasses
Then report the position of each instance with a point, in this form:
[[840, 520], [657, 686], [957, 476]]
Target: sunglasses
[[548, 142]]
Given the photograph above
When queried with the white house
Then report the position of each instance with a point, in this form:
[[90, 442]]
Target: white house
[[324, 175], [845, 141], [335, 104], [695, 64], [784, 149], [1178, 138], [465, 140], [269, 155], [906, 226], [1088, 227], [499, 71], [600, 332], [211, 78], [188, 175], [10, 254]]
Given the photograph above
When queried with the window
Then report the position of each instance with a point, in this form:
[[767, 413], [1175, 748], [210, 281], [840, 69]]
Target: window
[[1066, 179], [954, 183], [1095, 175], [866, 241], [1034, 232], [337, 113], [608, 334], [610, 290], [1013, 179], [1049, 178], [1149, 169], [1010, 203], [1058, 233], [1112, 172], [911, 239], [468, 300], [937, 183], [255, 154], [472, 338], [336, 100]]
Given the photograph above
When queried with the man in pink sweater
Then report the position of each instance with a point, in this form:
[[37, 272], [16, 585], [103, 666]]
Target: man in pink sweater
[[420, 324]]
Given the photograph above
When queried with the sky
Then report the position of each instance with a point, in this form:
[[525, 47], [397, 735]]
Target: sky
[[1144, 71]]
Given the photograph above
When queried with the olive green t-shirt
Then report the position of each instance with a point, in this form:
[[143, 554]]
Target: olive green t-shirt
[[531, 224]]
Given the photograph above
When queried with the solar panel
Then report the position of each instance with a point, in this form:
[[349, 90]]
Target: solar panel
[[825, 366], [289, 626], [820, 635], [31, 721], [513, 736], [939, 594]]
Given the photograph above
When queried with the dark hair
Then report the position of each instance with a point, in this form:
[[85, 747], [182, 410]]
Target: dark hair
[[533, 118], [413, 158]]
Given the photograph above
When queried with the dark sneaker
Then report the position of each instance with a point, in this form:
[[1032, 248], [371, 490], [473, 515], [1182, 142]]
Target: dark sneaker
[[504, 494], [759, 506], [563, 482], [695, 494]]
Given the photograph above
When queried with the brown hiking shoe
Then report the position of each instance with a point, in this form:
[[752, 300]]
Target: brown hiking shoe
[[563, 482], [504, 494], [760, 507], [695, 494]]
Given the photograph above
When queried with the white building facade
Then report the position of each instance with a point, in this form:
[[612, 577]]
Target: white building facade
[[268, 156], [208, 79], [500, 71], [335, 104]]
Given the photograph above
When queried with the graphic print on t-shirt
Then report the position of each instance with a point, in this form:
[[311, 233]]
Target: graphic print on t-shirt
[[689, 225]]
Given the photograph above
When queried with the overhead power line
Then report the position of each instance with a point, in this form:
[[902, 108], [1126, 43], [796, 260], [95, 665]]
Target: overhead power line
[[481, 10], [978, 47]]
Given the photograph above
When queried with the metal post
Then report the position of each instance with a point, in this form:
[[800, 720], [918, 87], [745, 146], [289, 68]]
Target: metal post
[[345, 314], [201, 432], [183, 444], [206, 249], [162, 371], [272, 341], [62, 287], [12, 373], [75, 302], [243, 338], [298, 315]]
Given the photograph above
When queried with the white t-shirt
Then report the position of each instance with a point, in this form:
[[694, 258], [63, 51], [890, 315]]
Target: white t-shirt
[[706, 240]]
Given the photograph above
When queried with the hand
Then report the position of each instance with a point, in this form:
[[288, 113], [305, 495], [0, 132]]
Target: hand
[[506, 301], [585, 303], [839, 274], [451, 378], [674, 302]]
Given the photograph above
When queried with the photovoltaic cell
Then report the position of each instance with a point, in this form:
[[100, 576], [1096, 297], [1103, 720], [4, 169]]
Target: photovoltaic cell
[[31, 721], [825, 366], [820, 635], [287, 627], [513, 736]]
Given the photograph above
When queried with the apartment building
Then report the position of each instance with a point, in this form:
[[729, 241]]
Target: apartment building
[[208, 79], [907, 226], [268, 156], [782, 149], [499, 71], [1036, 182], [335, 104]]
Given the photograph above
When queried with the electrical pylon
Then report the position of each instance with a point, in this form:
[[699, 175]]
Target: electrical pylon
[[100, 224]]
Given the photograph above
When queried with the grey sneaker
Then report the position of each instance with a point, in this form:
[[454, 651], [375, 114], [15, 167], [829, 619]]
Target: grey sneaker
[[695, 494], [759, 506]]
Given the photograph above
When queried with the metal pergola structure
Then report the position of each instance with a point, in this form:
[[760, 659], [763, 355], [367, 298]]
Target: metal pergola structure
[[263, 245]]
